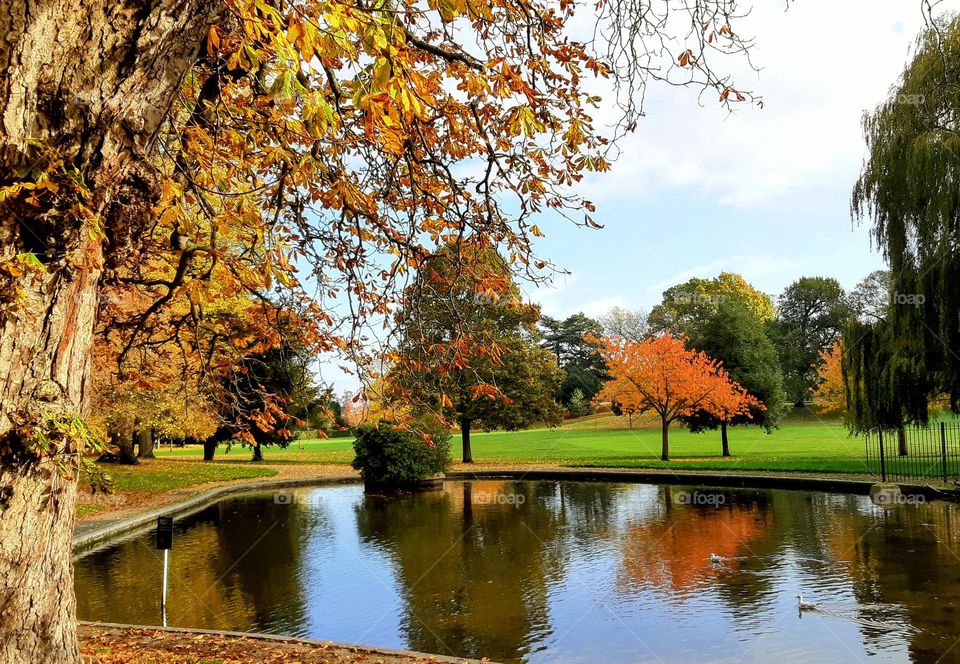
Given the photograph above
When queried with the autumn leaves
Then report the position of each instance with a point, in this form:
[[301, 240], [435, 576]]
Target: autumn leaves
[[660, 374]]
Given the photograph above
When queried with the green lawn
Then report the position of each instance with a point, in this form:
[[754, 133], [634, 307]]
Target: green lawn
[[796, 446], [159, 476], [800, 445]]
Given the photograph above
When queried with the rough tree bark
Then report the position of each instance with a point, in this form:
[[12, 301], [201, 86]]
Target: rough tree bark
[[145, 443], [121, 435], [84, 83]]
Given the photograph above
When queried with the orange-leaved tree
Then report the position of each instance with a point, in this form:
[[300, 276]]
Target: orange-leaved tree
[[830, 396], [662, 375]]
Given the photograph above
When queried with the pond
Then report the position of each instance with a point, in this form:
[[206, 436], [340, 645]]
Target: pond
[[557, 571]]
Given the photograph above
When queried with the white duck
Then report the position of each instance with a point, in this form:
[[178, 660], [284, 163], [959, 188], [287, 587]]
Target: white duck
[[714, 558], [805, 606]]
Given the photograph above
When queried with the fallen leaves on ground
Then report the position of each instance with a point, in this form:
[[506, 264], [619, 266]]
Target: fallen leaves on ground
[[112, 645]]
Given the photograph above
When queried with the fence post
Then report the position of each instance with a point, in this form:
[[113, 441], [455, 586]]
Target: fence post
[[943, 450], [883, 463]]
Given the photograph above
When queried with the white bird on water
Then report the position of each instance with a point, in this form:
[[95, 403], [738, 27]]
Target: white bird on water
[[714, 558], [804, 606]]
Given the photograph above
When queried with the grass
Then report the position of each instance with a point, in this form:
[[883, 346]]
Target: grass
[[332, 450], [156, 476], [802, 444], [159, 475], [795, 447]]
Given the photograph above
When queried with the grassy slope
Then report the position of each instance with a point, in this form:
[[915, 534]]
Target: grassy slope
[[804, 443]]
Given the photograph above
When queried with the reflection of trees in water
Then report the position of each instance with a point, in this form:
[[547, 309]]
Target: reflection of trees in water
[[475, 567], [905, 560], [670, 551], [222, 574]]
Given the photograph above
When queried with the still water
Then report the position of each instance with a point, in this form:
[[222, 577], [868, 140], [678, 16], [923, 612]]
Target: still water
[[557, 572]]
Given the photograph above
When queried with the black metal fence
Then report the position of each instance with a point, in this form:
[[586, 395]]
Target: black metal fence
[[915, 452]]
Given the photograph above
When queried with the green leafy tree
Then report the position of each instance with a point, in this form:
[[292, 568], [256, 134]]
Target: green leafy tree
[[579, 404], [811, 314], [695, 300], [733, 334], [583, 368], [473, 358], [269, 394], [908, 190]]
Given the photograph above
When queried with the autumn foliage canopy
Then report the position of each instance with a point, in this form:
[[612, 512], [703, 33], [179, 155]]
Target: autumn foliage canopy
[[662, 375]]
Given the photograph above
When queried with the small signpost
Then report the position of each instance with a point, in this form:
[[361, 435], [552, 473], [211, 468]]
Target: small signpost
[[165, 543]]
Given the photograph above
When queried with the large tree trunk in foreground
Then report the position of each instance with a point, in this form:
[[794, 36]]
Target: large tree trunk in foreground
[[145, 443], [85, 83], [724, 442], [665, 440], [465, 439]]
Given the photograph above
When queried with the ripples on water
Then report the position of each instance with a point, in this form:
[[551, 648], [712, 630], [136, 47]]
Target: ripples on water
[[557, 572]]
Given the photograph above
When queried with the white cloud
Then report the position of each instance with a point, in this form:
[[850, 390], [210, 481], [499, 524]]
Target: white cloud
[[823, 63]]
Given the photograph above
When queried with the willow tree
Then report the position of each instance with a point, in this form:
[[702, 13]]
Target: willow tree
[[908, 190], [253, 136]]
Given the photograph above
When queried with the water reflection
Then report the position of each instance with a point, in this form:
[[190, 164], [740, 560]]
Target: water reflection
[[546, 571]]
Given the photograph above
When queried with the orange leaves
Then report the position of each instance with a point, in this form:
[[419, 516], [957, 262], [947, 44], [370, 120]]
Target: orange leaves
[[662, 375]]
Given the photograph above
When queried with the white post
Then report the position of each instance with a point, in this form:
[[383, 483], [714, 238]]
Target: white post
[[163, 600]]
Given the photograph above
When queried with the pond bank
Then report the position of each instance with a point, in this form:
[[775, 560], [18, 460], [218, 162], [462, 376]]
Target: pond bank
[[109, 643], [107, 525]]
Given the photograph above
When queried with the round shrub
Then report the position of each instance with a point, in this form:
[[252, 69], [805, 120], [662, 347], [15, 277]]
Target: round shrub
[[387, 453]]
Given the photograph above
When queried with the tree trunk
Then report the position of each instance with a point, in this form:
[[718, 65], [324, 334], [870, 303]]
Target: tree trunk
[[85, 85], [902, 441], [630, 420], [465, 439], [665, 440], [209, 449], [121, 435], [257, 452], [723, 439], [145, 443]]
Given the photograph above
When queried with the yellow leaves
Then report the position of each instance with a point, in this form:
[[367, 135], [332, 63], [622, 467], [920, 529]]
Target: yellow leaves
[[450, 9], [522, 119]]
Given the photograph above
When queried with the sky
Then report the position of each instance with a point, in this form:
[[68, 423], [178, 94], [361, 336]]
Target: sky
[[698, 190], [762, 192]]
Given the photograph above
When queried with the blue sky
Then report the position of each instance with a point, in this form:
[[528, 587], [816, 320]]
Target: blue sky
[[762, 192]]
